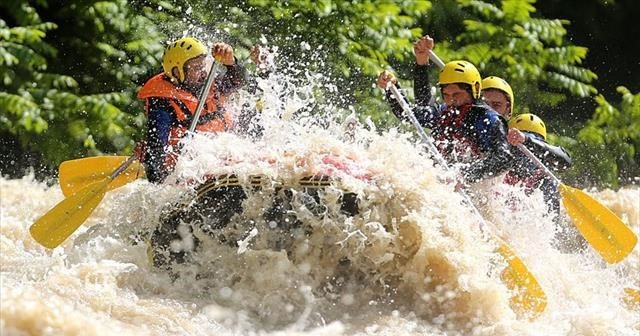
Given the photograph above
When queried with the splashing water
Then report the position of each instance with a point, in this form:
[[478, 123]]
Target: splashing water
[[409, 262]]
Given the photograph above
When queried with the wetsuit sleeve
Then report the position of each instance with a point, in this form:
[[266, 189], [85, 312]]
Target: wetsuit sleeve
[[552, 156], [235, 77], [422, 85], [160, 119], [492, 142]]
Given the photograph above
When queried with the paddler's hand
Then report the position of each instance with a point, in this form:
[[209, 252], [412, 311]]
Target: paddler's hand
[[421, 49], [385, 78], [223, 53], [515, 137]]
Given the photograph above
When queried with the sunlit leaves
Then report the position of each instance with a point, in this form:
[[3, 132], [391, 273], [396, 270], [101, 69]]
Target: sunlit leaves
[[533, 54], [72, 93], [487, 9], [20, 112], [517, 10], [551, 31]]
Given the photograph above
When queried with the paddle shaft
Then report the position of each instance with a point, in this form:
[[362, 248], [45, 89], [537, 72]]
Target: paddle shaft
[[433, 57], [122, 167], [537, 162], [203, 97]]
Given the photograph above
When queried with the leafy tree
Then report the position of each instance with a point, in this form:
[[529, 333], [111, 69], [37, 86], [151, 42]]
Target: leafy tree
[[604, 32], [507, 40], [606, 150], [28, 93], [66, 76]]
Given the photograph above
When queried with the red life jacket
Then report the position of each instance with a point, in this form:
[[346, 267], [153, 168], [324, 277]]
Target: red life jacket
[[184, 103], [529, 183], [453, 135]]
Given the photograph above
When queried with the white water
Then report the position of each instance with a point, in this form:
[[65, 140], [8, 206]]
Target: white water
[[417, 262]]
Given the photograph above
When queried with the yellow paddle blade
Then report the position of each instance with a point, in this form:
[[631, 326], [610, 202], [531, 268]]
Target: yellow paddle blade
[[608, 235], [63, 219], [74, 175], [632, 298], [529, 299]]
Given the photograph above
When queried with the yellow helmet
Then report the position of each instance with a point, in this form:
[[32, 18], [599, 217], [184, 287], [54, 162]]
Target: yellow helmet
[[493, 82], [529, 123], [461, 72], [178, 53]]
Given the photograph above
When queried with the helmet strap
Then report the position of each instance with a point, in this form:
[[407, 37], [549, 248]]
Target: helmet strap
[[175, 72], [477, 87]]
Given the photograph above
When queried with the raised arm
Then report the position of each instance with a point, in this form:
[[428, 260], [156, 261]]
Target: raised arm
[[236, 75]]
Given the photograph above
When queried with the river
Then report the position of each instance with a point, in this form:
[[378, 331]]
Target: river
[[411, 262]]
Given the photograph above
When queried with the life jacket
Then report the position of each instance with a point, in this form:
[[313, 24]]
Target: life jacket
[[184, 104], [529, 182], [454, 135], [524, 171]]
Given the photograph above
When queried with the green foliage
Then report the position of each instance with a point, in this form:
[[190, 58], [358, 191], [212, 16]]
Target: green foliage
[[67, 75], [22, 62], [531, 53], [606, 150]]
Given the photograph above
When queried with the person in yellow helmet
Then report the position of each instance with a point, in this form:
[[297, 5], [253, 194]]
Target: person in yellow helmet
[[171, 98], [529, 130], [466, 130], [497, 93]]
